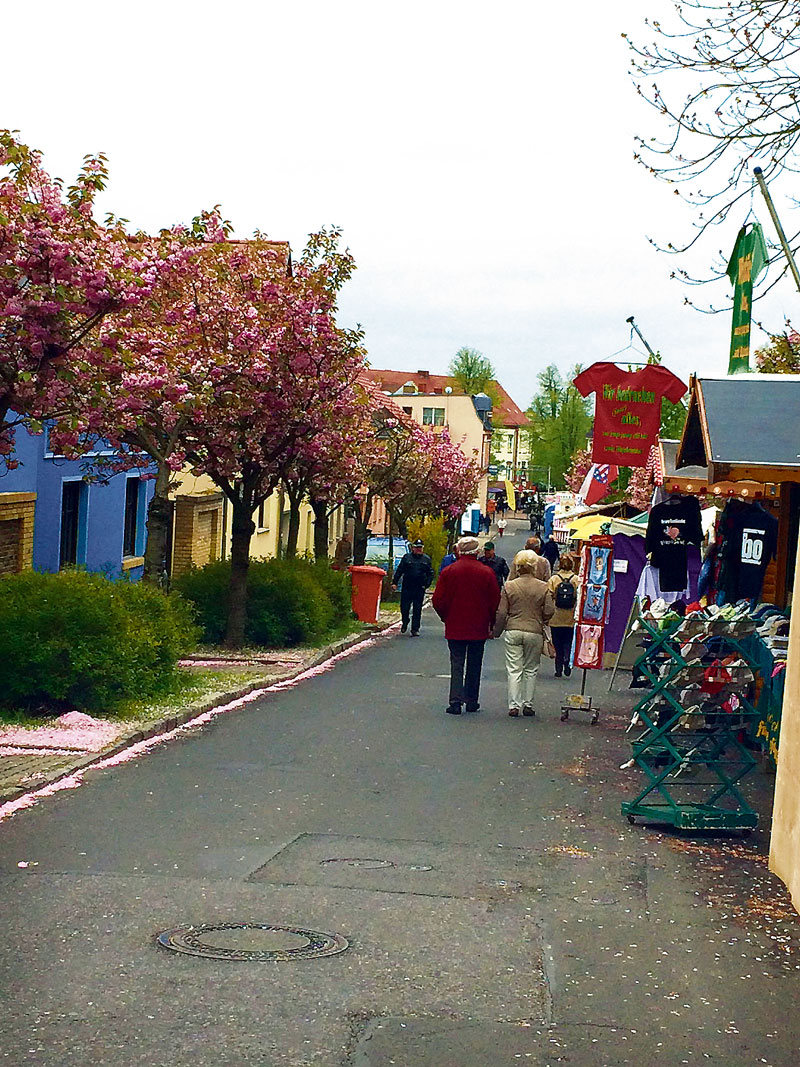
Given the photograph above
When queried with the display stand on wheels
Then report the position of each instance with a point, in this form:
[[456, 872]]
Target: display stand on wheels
[[591, 615], [693, 723]]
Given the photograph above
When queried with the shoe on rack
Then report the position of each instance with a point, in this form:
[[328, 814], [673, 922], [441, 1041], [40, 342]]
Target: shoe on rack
[[403, 628], [527, 710], [453, 709], [472, 708], [513, 712]]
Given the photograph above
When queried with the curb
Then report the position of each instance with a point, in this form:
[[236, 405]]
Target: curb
[[192, 711]]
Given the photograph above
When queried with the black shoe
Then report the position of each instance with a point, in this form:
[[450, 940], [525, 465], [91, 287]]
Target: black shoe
[[453, 709], [528, 711], [567, 672], [473, 707], [403, 628], [557, 674], [415, 633]]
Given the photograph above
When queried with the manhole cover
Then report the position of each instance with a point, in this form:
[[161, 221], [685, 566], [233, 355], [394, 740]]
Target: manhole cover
[[253, 942], [357, 861]]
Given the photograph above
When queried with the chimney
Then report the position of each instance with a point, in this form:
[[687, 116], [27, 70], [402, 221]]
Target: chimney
[[424, 373]]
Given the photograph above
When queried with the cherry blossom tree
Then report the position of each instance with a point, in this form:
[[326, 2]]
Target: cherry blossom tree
[[61, 275], [281, 373]]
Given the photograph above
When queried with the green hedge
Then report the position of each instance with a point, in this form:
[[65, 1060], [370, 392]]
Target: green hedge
[[79, 640], [289, 601]]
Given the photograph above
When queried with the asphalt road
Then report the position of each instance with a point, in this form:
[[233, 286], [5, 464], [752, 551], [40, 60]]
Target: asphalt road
[[498, 909]]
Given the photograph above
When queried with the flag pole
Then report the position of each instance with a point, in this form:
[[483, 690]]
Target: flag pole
[[759, 176]]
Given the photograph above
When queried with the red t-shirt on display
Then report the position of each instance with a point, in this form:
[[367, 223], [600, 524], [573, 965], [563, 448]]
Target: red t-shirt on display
[[627, 409]]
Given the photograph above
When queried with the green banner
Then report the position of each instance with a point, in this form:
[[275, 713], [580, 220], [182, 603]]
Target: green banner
[[748, 259]]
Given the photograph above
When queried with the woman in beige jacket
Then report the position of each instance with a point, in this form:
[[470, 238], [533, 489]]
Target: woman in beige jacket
[[525, 607]]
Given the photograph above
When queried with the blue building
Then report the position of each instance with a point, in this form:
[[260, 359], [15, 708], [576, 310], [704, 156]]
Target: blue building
[[51, 517]]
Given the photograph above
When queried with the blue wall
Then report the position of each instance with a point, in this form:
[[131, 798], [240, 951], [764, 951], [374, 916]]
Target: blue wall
[[100, 546]]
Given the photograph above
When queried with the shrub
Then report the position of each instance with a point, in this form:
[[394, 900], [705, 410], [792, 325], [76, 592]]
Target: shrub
[[81, 641], [289, 601], [432, 531]]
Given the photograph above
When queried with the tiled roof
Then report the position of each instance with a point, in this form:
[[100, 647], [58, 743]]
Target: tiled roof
[[380, 400], [505, 415]]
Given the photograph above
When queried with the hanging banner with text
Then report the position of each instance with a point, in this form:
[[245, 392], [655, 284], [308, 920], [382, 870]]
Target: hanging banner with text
[[748, 259], [627, 413]]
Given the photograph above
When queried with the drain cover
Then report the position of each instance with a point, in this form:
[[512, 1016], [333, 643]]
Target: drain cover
[[373, 864], [251, 942], [588, 898], [359, 861]]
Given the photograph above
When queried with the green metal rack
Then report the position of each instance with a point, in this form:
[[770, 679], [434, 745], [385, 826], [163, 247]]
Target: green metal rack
[[693, 763]]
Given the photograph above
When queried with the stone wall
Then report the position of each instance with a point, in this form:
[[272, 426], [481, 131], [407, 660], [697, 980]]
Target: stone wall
[[197, 536], [16, 531]]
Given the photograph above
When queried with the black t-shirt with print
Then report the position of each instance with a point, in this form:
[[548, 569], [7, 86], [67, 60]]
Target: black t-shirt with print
[[750, 543], [670, 528]]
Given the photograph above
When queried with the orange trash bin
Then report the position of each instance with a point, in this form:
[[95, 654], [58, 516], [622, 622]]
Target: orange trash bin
[[366, 592]]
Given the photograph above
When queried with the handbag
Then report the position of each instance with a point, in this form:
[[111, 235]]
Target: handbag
[[548, 648]]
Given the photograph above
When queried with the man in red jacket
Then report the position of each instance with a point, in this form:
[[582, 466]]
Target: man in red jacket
[[466, 599]]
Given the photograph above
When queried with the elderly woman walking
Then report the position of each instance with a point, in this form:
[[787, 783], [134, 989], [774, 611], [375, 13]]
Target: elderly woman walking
[[526, 605]]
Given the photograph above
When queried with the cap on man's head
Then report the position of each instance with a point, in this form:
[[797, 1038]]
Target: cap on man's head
[[417, 544], [489, 546], [468, 546]]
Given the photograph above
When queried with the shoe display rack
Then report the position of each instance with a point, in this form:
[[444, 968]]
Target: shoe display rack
[[692, 722]]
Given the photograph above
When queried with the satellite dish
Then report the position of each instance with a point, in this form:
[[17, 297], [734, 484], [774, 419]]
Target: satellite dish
[[448, 389]]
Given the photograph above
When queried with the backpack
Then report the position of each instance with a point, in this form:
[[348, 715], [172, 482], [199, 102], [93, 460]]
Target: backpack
[[565, 594]]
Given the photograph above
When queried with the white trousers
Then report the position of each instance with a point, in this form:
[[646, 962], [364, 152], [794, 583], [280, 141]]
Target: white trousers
[[523, 652]]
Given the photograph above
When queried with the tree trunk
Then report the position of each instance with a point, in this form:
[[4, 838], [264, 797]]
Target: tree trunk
[[294, 527], [321, 528], [242, 529], [159, 517], [361, 511]]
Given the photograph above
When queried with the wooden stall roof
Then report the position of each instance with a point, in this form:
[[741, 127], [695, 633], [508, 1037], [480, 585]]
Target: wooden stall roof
[[746, 426]]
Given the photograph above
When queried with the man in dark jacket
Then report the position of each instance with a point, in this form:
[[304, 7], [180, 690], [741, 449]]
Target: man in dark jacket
[[415, 571], [466, 599], [551, 553], [494, 562]]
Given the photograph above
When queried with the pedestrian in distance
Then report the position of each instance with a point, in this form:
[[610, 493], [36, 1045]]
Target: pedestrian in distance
[[449, 558], [533, 544], [342, 554], [526, 605], [466, 599], [564, 587], [414, 574], [495, 563], [550, 551], [501, 525]]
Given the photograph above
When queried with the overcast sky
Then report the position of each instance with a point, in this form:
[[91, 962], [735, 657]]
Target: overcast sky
[[478, 157]]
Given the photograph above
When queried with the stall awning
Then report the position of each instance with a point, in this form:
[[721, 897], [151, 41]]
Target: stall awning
[[746, 426], [588, 526]]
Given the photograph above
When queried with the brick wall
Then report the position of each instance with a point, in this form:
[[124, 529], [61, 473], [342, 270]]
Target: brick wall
[[16, 531], [198, 531]]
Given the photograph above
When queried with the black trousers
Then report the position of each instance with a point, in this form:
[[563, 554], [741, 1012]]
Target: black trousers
[[466, 660], [562, 643], [411, 605]]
